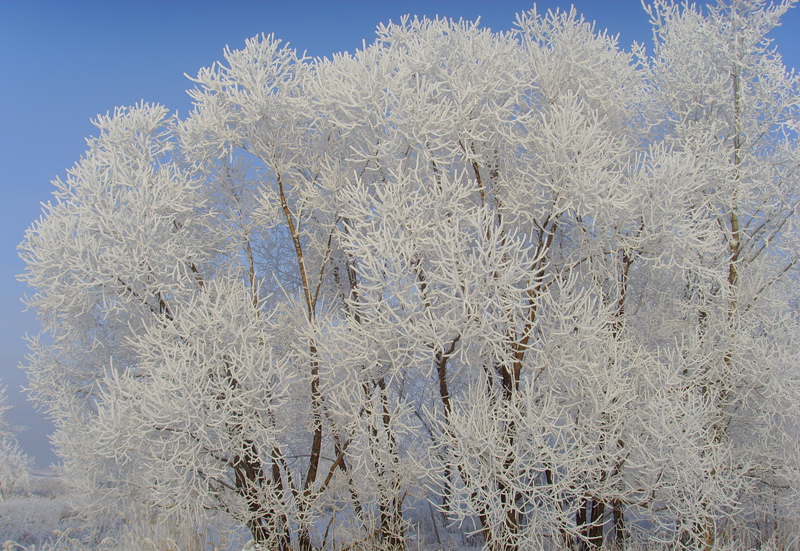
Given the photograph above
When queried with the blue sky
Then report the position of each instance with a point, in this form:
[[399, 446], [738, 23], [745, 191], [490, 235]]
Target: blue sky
[[63, 62]]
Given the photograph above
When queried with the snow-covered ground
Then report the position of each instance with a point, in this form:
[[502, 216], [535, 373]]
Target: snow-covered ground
[[41, 518], [41, 515]]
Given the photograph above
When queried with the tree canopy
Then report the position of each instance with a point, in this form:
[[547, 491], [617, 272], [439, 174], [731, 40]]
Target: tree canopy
[[545, 285]]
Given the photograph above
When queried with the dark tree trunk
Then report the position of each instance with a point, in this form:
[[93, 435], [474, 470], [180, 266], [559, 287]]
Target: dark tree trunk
[[264, 525], [597, 524], [581, 515], [619, 525]]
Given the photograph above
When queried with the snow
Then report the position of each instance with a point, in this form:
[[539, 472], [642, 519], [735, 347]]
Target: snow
[[41, 515]]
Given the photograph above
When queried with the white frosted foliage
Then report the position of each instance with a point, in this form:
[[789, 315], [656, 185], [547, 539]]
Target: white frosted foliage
[[531, 281]]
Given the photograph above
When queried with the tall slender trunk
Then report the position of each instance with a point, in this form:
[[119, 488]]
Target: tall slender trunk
[[444, 394], [304, 530], [708, 529], [391, 506]]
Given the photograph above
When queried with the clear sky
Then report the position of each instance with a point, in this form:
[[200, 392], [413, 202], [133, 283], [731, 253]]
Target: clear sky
[[63, 62]]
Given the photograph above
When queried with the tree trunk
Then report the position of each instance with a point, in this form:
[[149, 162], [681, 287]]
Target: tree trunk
[[264, 526], [580, 522], [391, 502], [619, 524], [597, 524]]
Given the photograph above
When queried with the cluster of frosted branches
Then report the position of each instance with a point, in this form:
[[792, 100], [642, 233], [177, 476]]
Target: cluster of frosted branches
[[543, 283], [15, 465]]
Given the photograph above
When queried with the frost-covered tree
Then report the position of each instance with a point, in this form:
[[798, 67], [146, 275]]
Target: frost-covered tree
[[727, 102], [15, 465], [545, 284]]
